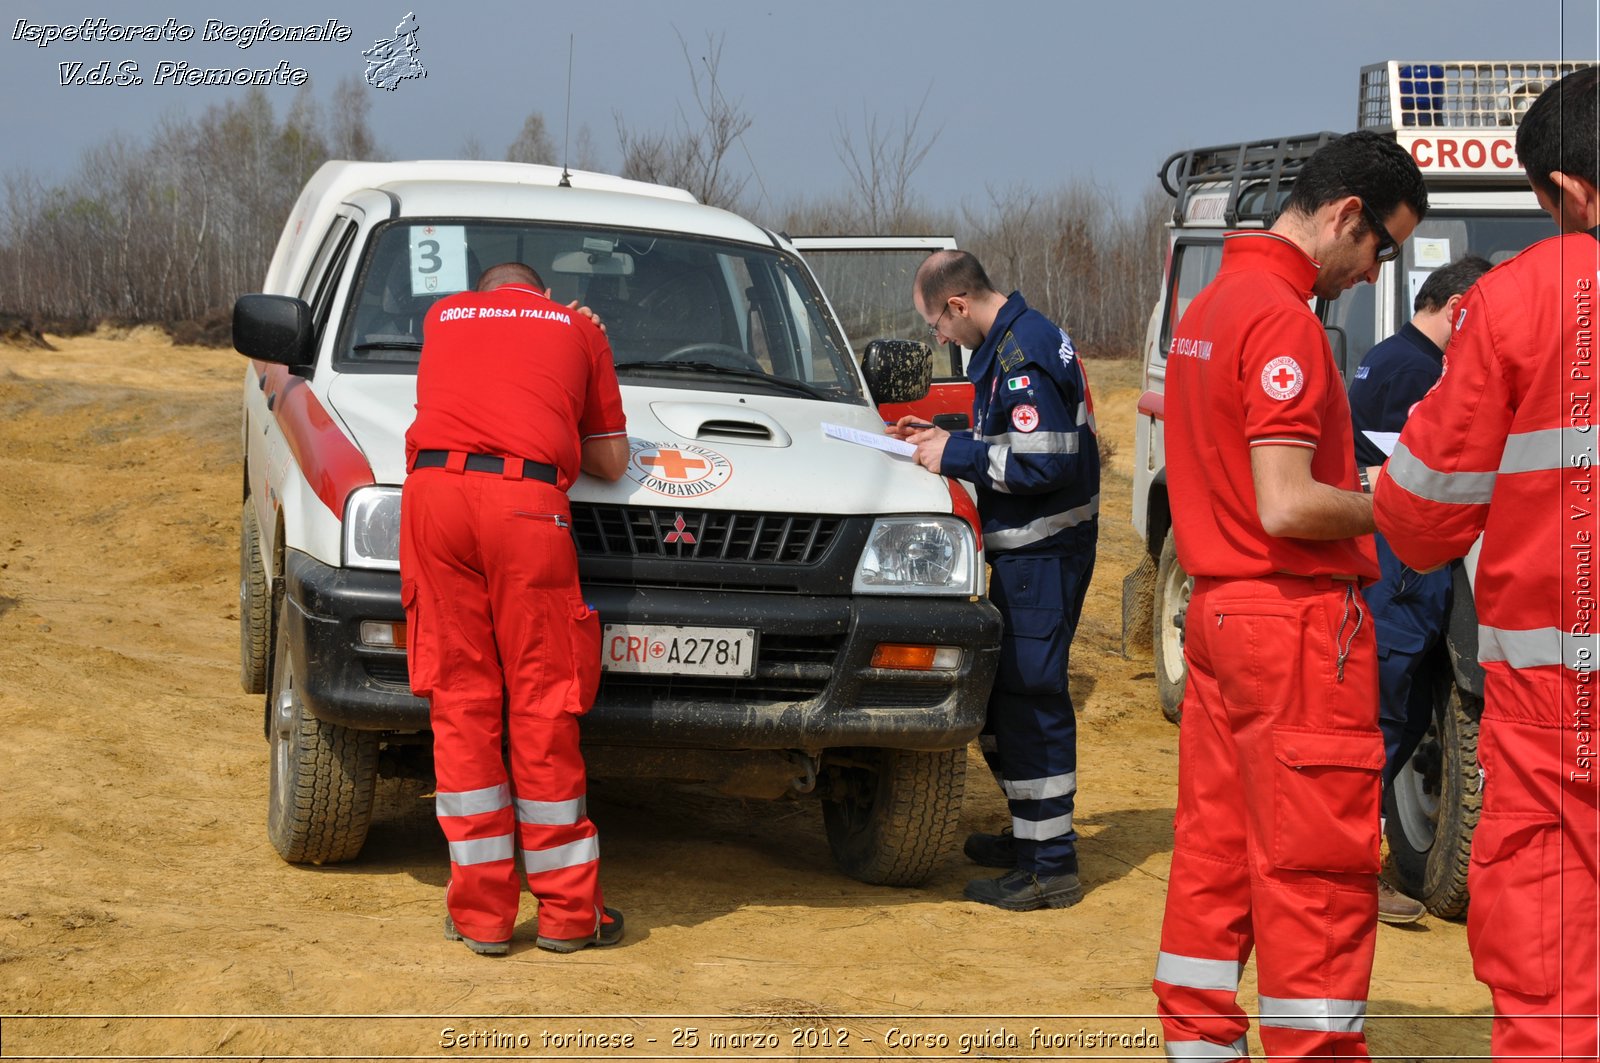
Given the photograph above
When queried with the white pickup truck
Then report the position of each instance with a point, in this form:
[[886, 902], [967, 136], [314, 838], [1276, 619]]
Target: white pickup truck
[[842, 587], [1458, 121]]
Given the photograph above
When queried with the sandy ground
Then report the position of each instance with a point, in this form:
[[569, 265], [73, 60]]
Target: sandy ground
[[144, 912]]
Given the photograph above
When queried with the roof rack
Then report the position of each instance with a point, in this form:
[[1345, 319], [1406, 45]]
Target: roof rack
[[1258, 173]]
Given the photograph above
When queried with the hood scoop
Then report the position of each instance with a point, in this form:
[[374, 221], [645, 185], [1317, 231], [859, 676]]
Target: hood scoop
[[716, 422]]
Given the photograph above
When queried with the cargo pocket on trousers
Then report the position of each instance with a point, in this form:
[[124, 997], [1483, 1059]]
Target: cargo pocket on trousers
[[585, 654], [1514, 881], [1032, 660], [422, 665], [1326, 799]]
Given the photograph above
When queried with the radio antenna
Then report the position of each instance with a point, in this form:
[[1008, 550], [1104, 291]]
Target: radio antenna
[[566, 133]]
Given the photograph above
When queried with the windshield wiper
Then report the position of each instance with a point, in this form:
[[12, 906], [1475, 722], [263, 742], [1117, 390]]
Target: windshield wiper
[[396, 344], [785, 383]]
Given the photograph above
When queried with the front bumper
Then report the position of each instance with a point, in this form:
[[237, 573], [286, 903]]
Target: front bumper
[[814, 686]]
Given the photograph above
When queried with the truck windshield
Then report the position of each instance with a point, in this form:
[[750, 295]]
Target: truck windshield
[[700, 307], [1442, 238]]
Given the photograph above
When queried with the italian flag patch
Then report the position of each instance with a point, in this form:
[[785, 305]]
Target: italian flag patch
[[1017, 383]]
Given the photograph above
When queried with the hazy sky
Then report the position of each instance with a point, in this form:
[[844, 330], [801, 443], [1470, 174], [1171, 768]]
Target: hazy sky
[[1020, 92]]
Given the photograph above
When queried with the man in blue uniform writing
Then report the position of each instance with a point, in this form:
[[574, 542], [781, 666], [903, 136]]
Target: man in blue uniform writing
[[1034, 461]]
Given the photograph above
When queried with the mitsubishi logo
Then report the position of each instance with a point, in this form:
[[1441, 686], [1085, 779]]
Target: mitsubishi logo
[[679, 533]]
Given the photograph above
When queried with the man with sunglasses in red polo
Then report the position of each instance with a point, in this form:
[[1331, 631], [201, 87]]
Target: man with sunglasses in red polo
[[1280, 756]]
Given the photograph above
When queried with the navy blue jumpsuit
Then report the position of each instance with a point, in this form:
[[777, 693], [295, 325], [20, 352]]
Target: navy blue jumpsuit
[[1035, 462], [1409, 609]]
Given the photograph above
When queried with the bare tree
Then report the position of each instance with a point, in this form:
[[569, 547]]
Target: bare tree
[[694, 155], [533, 143], [351, 137], [882, 166]]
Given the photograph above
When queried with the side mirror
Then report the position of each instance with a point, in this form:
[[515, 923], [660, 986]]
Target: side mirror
[[898, 370], [1337, 343], [273, 328]]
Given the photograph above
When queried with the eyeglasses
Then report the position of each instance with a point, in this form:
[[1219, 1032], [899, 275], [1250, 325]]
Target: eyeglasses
[[1388, 250], [933, 329]]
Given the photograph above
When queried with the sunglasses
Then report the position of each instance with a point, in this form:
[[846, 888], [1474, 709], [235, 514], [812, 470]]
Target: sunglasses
[[1388, 250]]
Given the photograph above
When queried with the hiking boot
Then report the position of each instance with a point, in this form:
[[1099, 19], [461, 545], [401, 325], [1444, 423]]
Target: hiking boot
[[992, 850], [1395, 908], [604, 934], [1023, 891], [482, 948]]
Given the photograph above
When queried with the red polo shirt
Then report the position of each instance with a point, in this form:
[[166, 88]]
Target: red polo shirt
[[512, 373], [1250, 366]]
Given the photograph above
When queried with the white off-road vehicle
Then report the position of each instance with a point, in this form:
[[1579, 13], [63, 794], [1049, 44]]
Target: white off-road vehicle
[[1458, 120], [785, 611]]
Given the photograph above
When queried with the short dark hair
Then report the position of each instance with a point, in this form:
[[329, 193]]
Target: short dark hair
[[946, 273], [509, 273], [1558, 132], [1364, 164], [1448, 281]]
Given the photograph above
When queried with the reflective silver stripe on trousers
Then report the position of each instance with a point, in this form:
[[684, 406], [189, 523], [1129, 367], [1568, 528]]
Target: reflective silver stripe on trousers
[[1039, 530], [1542, 646], [1551, 448], [1039, 789], [1041, 830], [483, 850], [1205, 1050], [1192, 972], [1459, 488], [472, 802], [552, 813], [1323, 1014], [582, 851]]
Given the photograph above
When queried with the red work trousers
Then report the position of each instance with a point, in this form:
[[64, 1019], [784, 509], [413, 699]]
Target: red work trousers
[[1276, 849], [1535, 916], [502, 645]]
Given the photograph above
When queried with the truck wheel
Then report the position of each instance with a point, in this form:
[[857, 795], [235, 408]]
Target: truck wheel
[[1173, 587], [322, 777], [892, 813], [1432, 808], [255, 602]]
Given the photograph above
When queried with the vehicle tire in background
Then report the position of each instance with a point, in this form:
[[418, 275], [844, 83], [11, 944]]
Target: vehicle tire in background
[[255, 605], [1173, 587], [892, 814], [1432, 808], [321, 777]]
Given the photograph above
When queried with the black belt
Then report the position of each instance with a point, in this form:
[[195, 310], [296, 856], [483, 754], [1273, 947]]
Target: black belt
[[531, 470]]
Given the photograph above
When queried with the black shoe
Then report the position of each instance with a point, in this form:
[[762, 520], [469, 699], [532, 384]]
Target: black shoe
[[992, 850], [604, 934], [482, 948], [1023, 891]]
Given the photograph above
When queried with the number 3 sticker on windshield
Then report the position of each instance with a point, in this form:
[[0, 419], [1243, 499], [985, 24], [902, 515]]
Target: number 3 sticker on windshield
[[438, 259]]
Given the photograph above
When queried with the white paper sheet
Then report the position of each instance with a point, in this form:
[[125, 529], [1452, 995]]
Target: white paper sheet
[[1384, 441], [875, 440]]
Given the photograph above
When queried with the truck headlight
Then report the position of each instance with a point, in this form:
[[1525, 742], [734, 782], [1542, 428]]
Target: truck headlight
[[372, 528], [918, 555]]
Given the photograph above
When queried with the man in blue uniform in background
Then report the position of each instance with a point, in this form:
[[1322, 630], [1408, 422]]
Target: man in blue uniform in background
[[1409, 609], [1035, 462]]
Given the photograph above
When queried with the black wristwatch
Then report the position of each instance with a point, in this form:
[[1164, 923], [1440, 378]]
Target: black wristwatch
[[1361, 474]]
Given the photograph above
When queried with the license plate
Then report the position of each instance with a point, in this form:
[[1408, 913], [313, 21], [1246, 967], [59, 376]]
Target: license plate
[[663, 649]]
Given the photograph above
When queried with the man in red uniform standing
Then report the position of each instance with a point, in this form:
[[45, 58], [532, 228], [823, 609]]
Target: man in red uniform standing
[[515, 393], [1505, 446], [1280, 754]]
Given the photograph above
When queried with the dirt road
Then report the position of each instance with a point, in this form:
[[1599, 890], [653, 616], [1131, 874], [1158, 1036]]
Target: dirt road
[[137, 886]]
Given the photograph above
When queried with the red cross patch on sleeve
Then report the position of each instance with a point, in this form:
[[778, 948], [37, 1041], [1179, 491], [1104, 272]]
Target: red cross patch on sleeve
[[1282, 378]]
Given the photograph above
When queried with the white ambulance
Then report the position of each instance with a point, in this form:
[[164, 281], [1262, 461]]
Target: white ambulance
[[1458, 120], [786, 610]]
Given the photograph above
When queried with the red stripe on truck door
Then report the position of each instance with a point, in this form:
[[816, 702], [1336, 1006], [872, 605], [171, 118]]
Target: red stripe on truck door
[[329, 461]]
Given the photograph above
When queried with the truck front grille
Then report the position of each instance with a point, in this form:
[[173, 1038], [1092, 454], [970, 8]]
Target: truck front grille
[[611, 531]]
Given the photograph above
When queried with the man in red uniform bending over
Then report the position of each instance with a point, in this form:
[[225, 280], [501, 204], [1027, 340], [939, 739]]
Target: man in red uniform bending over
[[515, 393], [1280, 755], [1504, 445]]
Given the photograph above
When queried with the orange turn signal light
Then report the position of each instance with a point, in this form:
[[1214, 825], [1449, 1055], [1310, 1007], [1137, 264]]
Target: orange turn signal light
[[915, 658]]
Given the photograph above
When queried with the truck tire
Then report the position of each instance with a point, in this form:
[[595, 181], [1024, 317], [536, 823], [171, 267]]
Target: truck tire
[[892, 814], [1432, 808], [255, 605], [321, 777], [1173, 587]]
